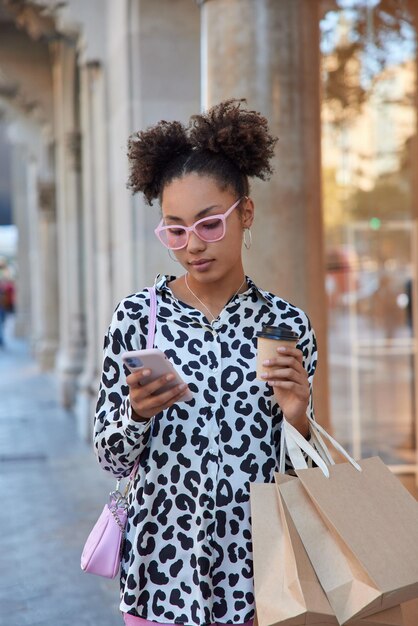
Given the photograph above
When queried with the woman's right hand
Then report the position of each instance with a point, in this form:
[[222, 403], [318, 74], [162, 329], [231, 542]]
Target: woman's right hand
[[145, 399]]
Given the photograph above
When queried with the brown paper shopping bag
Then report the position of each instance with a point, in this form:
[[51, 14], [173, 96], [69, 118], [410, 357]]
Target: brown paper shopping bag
[[390, 617], [410, 613], [405, 614], [287, 590], [360, 530]]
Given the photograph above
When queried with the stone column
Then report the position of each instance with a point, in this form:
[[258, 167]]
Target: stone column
[[48, 276], [72, 335], [21, 219], [34, 253], [95, 241], [147, 83], [119, 93], [100, 166], [170, 90], [267, 51]]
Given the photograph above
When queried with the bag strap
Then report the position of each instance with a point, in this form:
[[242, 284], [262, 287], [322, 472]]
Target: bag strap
[[152, 319], [293, 442], [319, 445], [318, 430]]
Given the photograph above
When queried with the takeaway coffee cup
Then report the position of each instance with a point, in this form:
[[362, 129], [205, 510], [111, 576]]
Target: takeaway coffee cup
[[268, 340]]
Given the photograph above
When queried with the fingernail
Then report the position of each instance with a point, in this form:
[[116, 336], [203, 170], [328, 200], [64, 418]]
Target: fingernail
[[264, 375], [266, 362], [169, 377], [182, 386], [281, 349], [146, 372]]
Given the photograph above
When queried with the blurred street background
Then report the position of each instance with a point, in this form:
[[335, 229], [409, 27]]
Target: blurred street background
[[335, 233]]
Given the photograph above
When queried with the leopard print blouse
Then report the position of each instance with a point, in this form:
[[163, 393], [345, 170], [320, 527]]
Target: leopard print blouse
[[187, 556]]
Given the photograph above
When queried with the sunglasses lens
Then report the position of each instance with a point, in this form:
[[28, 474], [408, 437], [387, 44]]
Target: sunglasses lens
[[173, 237], [210, 229]]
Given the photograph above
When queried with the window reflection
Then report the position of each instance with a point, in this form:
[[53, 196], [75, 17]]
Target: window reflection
[[369, 146]]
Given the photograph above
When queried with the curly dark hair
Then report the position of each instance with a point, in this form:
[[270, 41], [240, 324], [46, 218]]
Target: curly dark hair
[[227, 142]]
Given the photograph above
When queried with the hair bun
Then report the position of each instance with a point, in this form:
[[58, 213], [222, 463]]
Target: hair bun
[[154, 149], [239, 134]]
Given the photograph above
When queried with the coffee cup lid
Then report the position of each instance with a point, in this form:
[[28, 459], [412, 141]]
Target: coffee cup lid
[[278, 332]]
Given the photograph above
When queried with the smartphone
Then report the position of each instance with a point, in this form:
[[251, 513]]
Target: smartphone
[[156, 361]]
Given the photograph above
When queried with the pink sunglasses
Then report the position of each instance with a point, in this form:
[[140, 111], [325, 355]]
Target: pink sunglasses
[[209, 229]]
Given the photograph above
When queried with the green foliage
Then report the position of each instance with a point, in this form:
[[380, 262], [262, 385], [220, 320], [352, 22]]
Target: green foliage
[[342, 89], [366, 47]]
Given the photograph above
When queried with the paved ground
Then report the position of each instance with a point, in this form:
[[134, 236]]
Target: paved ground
[[53, 491]]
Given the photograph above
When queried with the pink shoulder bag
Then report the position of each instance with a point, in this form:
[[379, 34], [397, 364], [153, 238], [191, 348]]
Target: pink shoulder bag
[[103, 549]]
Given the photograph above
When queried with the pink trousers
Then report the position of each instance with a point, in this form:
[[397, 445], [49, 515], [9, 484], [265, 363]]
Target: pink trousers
[[131, 620]]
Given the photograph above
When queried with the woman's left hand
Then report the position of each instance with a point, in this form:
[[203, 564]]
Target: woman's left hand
[[289, 380]]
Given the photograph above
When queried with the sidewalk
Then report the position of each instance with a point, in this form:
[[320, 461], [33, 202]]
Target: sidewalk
[[52, 493]]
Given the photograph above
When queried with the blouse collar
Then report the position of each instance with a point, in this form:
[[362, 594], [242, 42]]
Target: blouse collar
[[162, 280]]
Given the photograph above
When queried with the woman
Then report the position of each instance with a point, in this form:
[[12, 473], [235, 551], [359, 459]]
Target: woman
[[187, 556]]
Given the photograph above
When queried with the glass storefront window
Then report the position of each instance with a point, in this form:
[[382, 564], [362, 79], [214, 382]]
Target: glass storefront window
[[369, 155]]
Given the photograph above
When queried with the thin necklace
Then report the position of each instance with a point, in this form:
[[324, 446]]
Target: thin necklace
[[203, 304]]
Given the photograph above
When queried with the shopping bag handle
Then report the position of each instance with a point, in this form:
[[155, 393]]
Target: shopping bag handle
[[294, 443], [319, 430], [319, 445]]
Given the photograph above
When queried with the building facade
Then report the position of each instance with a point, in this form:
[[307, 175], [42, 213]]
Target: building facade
[[77, 78]]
